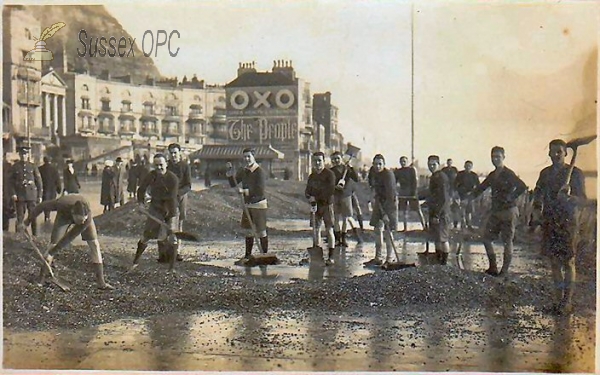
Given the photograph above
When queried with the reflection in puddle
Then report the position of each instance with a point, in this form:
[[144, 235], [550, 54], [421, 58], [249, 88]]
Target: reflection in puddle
[[316, 341]]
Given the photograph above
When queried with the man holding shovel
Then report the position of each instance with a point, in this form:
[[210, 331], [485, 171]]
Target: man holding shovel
[[73, 218], [438, 205], [345, 177], [385, 209], [252, 179], [557, 193], [163, 212], [182, 170], [506, 189], [319, 192]]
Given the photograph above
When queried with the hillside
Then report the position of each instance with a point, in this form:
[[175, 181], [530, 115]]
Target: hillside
[[97, 22]]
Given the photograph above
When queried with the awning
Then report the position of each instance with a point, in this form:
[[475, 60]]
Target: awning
[[229, 152]]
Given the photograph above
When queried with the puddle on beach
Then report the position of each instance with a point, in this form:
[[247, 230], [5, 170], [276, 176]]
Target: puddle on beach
[[293, 341]]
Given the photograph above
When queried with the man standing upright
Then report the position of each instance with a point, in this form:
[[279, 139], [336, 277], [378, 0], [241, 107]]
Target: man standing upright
[[120, 177], [183, 171], [466, 181], [319, 192], [506, 189], [250, 182], [51, 185], [345, 177], [163, 206], [26, 187], [8, 205], [438, 203], [385, 209], [556, 202], [406, 178]]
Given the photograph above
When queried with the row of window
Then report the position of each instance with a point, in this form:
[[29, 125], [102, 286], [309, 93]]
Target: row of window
[[108, 125], [148, 109]]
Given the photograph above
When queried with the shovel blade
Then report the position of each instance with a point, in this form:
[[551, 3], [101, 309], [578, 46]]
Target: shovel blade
[[185, 236], [397, 266], [580, 141], [267, 259]]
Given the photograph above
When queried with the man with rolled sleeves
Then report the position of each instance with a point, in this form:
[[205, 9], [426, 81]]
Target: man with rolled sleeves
[[163, 187], [26, 187], [406, 178], [385, 209], [182, 170]]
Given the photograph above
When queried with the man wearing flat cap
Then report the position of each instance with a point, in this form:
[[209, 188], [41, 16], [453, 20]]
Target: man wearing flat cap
[[25, 185]]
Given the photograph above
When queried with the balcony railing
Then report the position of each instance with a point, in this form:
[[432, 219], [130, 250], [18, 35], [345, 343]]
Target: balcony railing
[[171, 131], [106, 129], [86, 130], [148, 132]]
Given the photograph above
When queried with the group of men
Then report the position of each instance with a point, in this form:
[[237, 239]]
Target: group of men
[[330, 191]]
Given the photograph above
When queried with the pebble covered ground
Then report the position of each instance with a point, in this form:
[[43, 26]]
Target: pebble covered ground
[[150, 291]]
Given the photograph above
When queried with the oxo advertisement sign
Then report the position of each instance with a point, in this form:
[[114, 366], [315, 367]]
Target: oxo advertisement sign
[[262, 101]]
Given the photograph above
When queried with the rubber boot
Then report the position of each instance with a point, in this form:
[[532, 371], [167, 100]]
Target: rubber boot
[[99, 273], [329, 261], [358, 236], [162, 252], [173, 250], [343, 239], [249, 245], [141, 247], [443, 258], [264, 244]]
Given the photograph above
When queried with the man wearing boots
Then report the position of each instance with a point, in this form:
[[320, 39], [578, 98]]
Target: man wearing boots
[[438, 204], [466, 181], [506, 189], [250, 182], [406, 178], [183, 171], [319, 192], [73, 218], [385, 209], [163, 186], [345, 177], [556, 204], [25, 184]]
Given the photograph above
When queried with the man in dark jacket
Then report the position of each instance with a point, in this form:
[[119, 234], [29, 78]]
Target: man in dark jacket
[[385, 209], [51, 185], [8, 205], [438, 204], [556, 203], [250, 182], [345, 177], [466, 181], [406, 178], [506, 189], [319, 192], [163, 206], [183, 171], [70, 180], [25, 186]]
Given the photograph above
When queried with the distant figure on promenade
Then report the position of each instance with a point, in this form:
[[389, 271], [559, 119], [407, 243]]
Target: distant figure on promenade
[[51, 185], [70, 180], [107, 190], [120, 177]]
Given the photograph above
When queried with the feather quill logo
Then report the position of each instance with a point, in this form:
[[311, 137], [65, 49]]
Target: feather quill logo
[[40, 52]]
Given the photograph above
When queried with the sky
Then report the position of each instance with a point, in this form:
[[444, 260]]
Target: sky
[[485, 74]]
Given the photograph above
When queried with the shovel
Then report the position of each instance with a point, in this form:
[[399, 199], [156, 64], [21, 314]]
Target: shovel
[[180, 235], [262, 259], [388, 232], [315, 252], [53, 278]]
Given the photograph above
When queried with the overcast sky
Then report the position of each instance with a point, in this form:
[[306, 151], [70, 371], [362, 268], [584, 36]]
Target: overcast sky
[[502, 73]]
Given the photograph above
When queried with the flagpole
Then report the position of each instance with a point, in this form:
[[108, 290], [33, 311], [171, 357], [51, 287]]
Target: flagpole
[[412, 85]]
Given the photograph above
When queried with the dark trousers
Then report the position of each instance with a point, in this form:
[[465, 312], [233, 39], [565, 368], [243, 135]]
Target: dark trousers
[[21, 207]]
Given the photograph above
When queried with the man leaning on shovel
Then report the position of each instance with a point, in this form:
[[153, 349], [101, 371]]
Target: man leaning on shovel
[[250, 181]]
